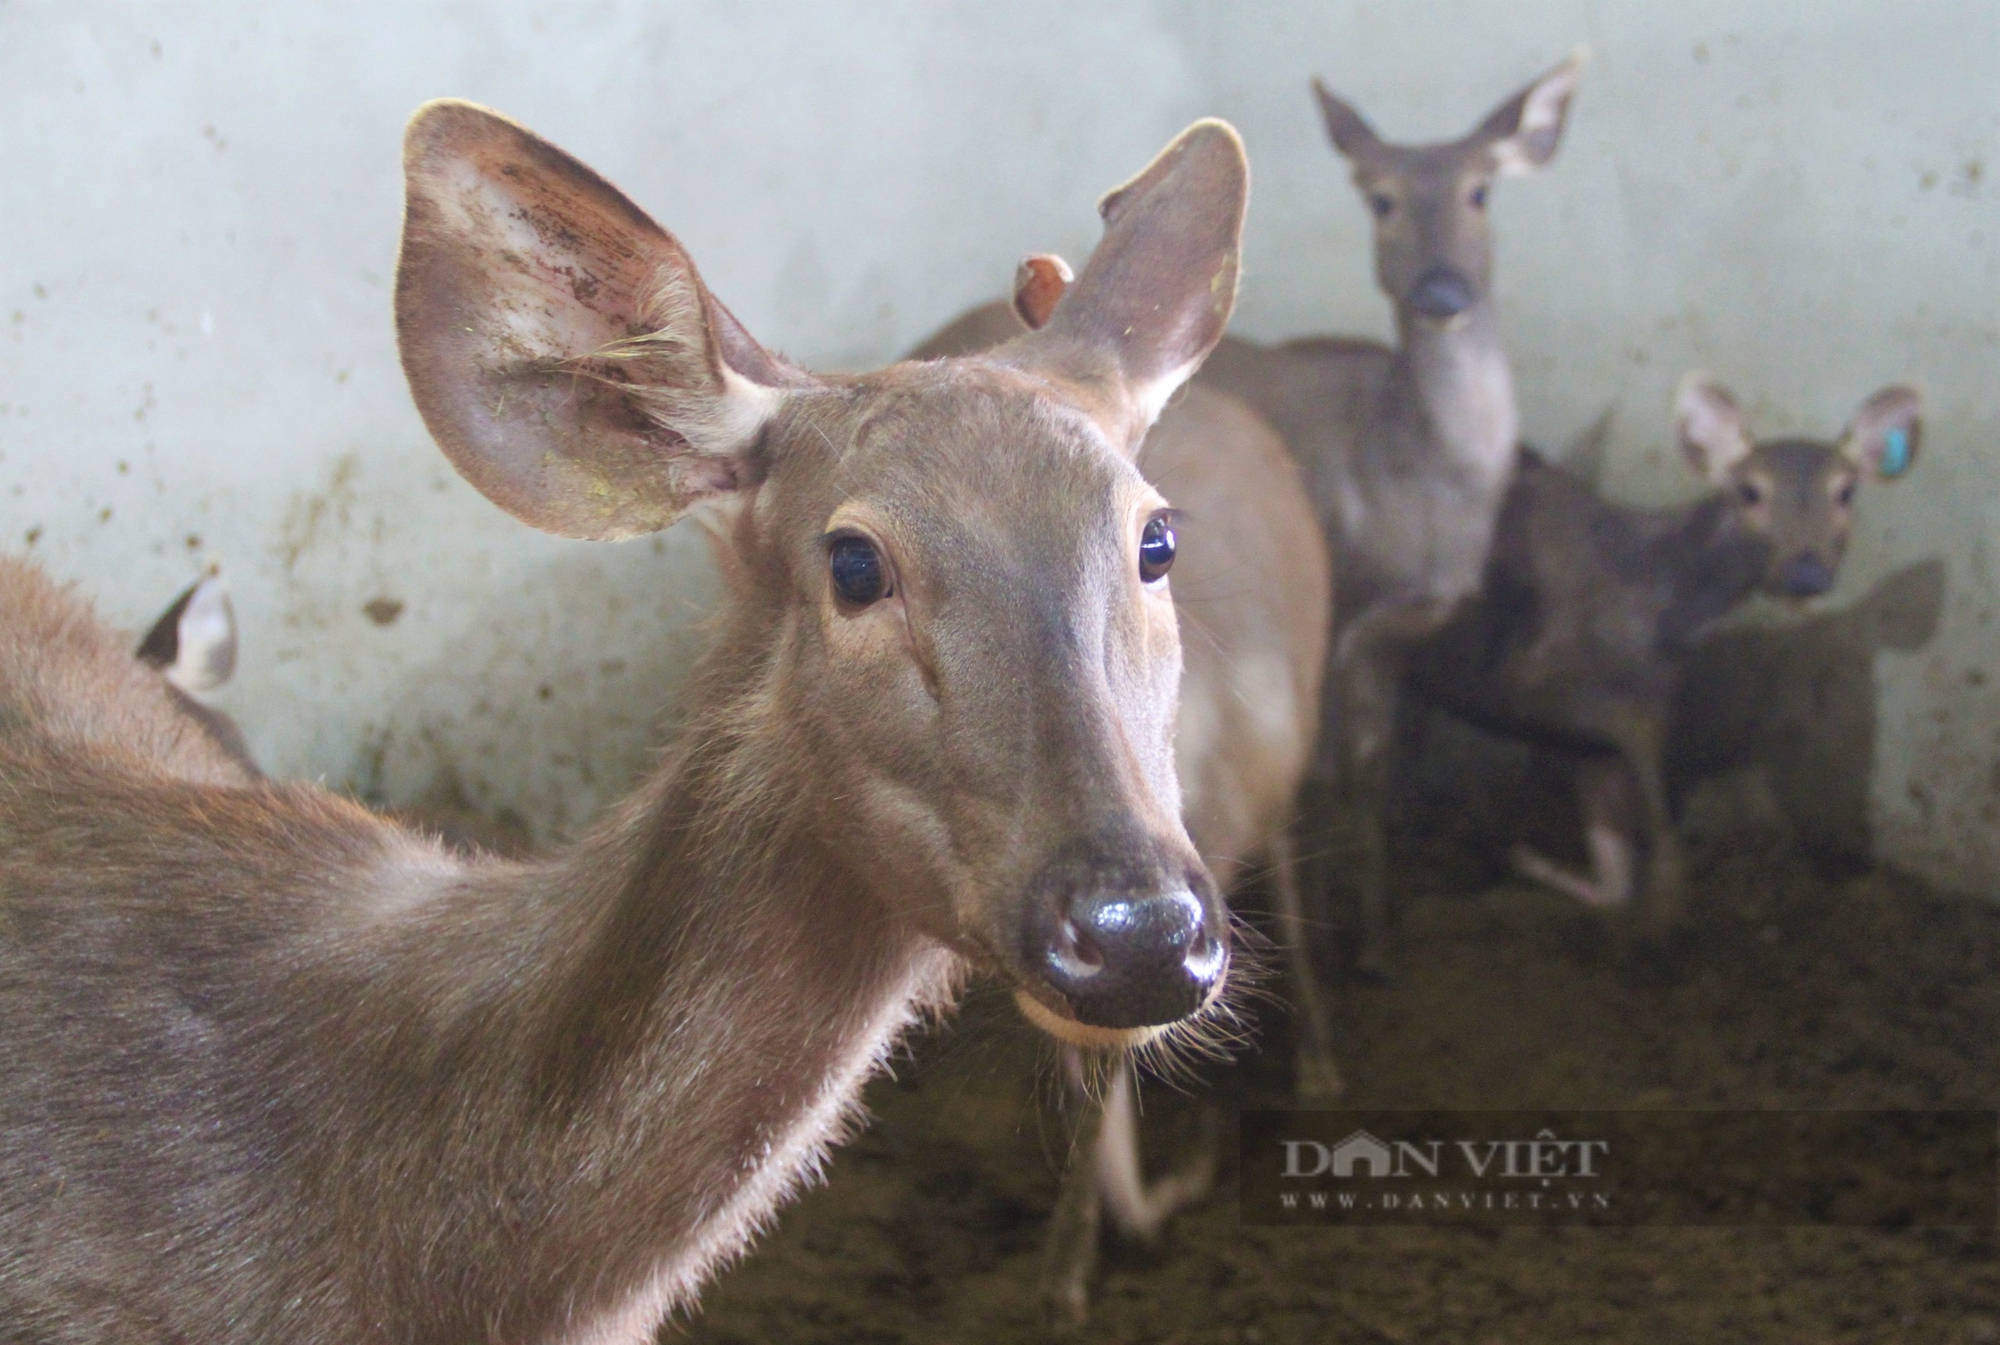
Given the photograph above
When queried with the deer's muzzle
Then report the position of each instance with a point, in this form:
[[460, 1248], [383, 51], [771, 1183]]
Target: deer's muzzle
[[1125, 934], [1441, 292]]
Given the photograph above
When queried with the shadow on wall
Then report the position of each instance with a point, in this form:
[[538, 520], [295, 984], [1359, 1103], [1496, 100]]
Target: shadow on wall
[[527, 743], [1793, 708], [1774, 727]]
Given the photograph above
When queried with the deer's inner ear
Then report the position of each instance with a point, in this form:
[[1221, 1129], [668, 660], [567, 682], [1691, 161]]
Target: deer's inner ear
[[561, 345]]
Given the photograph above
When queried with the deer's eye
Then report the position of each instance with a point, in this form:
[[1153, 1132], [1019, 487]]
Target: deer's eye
[[1844, 496], [1156, 549], [859, 577], [1383, 204], [1750, 492], [1478, 197]]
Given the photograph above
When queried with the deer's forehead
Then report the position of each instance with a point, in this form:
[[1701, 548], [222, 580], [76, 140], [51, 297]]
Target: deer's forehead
[[1424, 169], [1796, 460], [937, 451]]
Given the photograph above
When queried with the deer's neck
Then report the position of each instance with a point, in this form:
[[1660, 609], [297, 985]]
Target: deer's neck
[[627, 1058], [1451, 395], [1712, 566]]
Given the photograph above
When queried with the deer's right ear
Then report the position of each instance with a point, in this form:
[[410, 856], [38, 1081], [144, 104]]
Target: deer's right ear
[[1710, 427], [1349, 130], [561, 345], [1155, 296]]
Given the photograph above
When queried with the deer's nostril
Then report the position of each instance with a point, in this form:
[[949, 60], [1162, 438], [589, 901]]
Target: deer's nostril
[[1075, 954]]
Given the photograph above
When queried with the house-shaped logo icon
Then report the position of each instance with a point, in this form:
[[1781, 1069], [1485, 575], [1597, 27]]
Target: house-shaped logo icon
[[1364, 1149]]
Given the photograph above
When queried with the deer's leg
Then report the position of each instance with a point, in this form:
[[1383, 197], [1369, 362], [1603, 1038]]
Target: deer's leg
[[1367, 665], [1139, 1210], [1365, 718], [1105, 1174], [1640, 737], [1316, 1076], [1604, 788], [1069, 1256]]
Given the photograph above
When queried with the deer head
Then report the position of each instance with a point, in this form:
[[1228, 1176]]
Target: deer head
[[1433, 242], [1796, 495], [950, 612]]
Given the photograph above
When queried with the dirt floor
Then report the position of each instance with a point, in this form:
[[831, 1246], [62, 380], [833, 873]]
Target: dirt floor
[[1793, 990]]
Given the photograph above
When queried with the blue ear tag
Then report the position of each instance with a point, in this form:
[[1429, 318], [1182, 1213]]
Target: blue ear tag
[[1895, 451]]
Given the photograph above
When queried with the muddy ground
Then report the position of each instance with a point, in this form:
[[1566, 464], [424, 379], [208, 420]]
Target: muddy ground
[[1793, 989]]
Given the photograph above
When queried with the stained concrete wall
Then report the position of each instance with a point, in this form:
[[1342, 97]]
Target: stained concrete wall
[[198, 212]]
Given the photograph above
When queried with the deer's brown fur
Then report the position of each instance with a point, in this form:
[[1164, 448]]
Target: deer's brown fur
[[1408, 451], [280, 1070]]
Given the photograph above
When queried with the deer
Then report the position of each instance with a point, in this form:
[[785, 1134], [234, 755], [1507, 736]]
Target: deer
[[1591, 612], [1251, 593], [282, 1070], [1408, 450]]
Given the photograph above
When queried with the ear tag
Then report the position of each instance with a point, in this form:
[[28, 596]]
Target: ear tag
[[1895, 451]]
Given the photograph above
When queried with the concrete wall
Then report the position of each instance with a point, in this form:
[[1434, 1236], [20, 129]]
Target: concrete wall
[[199, 210]]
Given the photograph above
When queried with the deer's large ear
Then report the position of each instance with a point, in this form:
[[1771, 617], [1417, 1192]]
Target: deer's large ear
[[561, 345], [1157, 293], [1709, 425], [1523, 132], [1347, 129], [1884, 432]]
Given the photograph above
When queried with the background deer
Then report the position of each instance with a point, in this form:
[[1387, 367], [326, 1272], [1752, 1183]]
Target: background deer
[[1591, 611], [281, 1070], [1251, 592], [193, 646], [1407, 452]]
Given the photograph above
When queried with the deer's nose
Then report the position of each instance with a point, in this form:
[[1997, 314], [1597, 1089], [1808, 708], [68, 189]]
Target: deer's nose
[[1441, 292], [1125, 961], [1806, 576], [1122, 960]]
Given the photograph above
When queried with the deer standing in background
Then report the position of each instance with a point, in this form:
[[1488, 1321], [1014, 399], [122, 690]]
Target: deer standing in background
[[1252, 596], [278, 1070], [1591, 610], [1407, 452]]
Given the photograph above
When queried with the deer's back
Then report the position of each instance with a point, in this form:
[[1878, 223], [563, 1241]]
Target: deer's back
[[1251, 590], [161, 916], [1568, 624], [1318, 392]]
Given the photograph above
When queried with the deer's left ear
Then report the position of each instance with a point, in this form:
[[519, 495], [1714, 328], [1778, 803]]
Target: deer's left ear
[[1155, 296], [1883, 435], [1523, 132]]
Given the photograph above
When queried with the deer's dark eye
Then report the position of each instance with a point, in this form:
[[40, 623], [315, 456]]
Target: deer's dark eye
[[1844, 496], [1382, 204], [1156, 550], [1750, 492], [1478, 197], [856, 566]]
